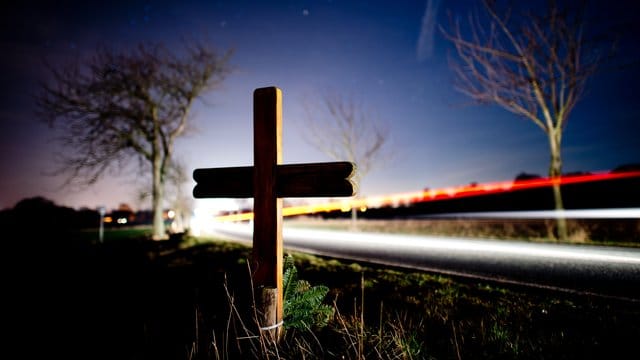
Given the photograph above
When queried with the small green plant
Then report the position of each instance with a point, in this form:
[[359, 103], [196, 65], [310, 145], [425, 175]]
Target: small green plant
[[303, 307]]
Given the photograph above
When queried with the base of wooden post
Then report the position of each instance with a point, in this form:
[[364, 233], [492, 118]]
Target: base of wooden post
[[267, 311]]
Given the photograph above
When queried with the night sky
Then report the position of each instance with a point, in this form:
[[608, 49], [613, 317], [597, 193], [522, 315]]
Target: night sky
[[389, 54]]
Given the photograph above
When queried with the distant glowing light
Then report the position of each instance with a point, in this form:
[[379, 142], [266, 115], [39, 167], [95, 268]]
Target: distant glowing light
[[108, 219], [121, 220], [171, 214]]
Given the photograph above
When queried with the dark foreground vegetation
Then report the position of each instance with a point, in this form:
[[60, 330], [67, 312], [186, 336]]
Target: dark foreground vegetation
[[186, 298]]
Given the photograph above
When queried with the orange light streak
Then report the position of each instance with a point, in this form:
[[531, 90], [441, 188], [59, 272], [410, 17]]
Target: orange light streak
[[403, 199]]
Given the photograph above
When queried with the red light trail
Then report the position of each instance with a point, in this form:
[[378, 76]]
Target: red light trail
[[408, 198]]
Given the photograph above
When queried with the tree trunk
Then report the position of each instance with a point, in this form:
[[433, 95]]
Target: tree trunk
[[354, 218], [555, 171], [353, 226], [157, 198]]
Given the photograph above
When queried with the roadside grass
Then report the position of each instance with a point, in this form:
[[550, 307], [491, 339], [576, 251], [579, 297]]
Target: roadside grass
[[118, 233], [442, 317], [192, 299]]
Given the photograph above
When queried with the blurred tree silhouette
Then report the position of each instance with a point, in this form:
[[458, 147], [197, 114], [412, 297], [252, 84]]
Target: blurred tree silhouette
[[343, 129], [117, 107]]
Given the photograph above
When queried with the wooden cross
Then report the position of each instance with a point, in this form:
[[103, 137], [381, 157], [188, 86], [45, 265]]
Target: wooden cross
[[268, 181]]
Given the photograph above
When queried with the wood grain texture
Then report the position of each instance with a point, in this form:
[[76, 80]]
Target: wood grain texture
[[267, 224]]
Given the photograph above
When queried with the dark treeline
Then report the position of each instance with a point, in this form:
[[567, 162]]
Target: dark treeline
[[40, 215]]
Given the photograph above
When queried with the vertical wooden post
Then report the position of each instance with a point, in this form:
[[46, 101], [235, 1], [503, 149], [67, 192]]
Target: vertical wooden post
[[267, 224]]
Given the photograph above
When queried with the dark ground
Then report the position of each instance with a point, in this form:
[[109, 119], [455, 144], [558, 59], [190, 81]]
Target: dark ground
[[139, 299]]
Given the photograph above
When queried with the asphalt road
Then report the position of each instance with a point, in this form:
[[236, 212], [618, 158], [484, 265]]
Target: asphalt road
[[599, 270]]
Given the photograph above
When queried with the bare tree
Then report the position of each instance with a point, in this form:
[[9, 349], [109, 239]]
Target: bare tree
[[535, 66], [181, 202], [342, 128], [116, 107]]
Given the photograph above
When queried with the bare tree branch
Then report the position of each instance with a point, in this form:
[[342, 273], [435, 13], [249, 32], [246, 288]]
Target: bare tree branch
[[341, 127], [119, 106], [534, 65]]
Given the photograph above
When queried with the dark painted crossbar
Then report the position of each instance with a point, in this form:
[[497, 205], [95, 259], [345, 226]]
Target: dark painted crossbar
[[293, 180]]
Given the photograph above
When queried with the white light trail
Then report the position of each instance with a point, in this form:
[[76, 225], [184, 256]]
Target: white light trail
[[619, 213], [450, 246]]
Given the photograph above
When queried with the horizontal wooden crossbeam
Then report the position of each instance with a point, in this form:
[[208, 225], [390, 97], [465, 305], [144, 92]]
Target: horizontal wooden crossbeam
[[292, 180]]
